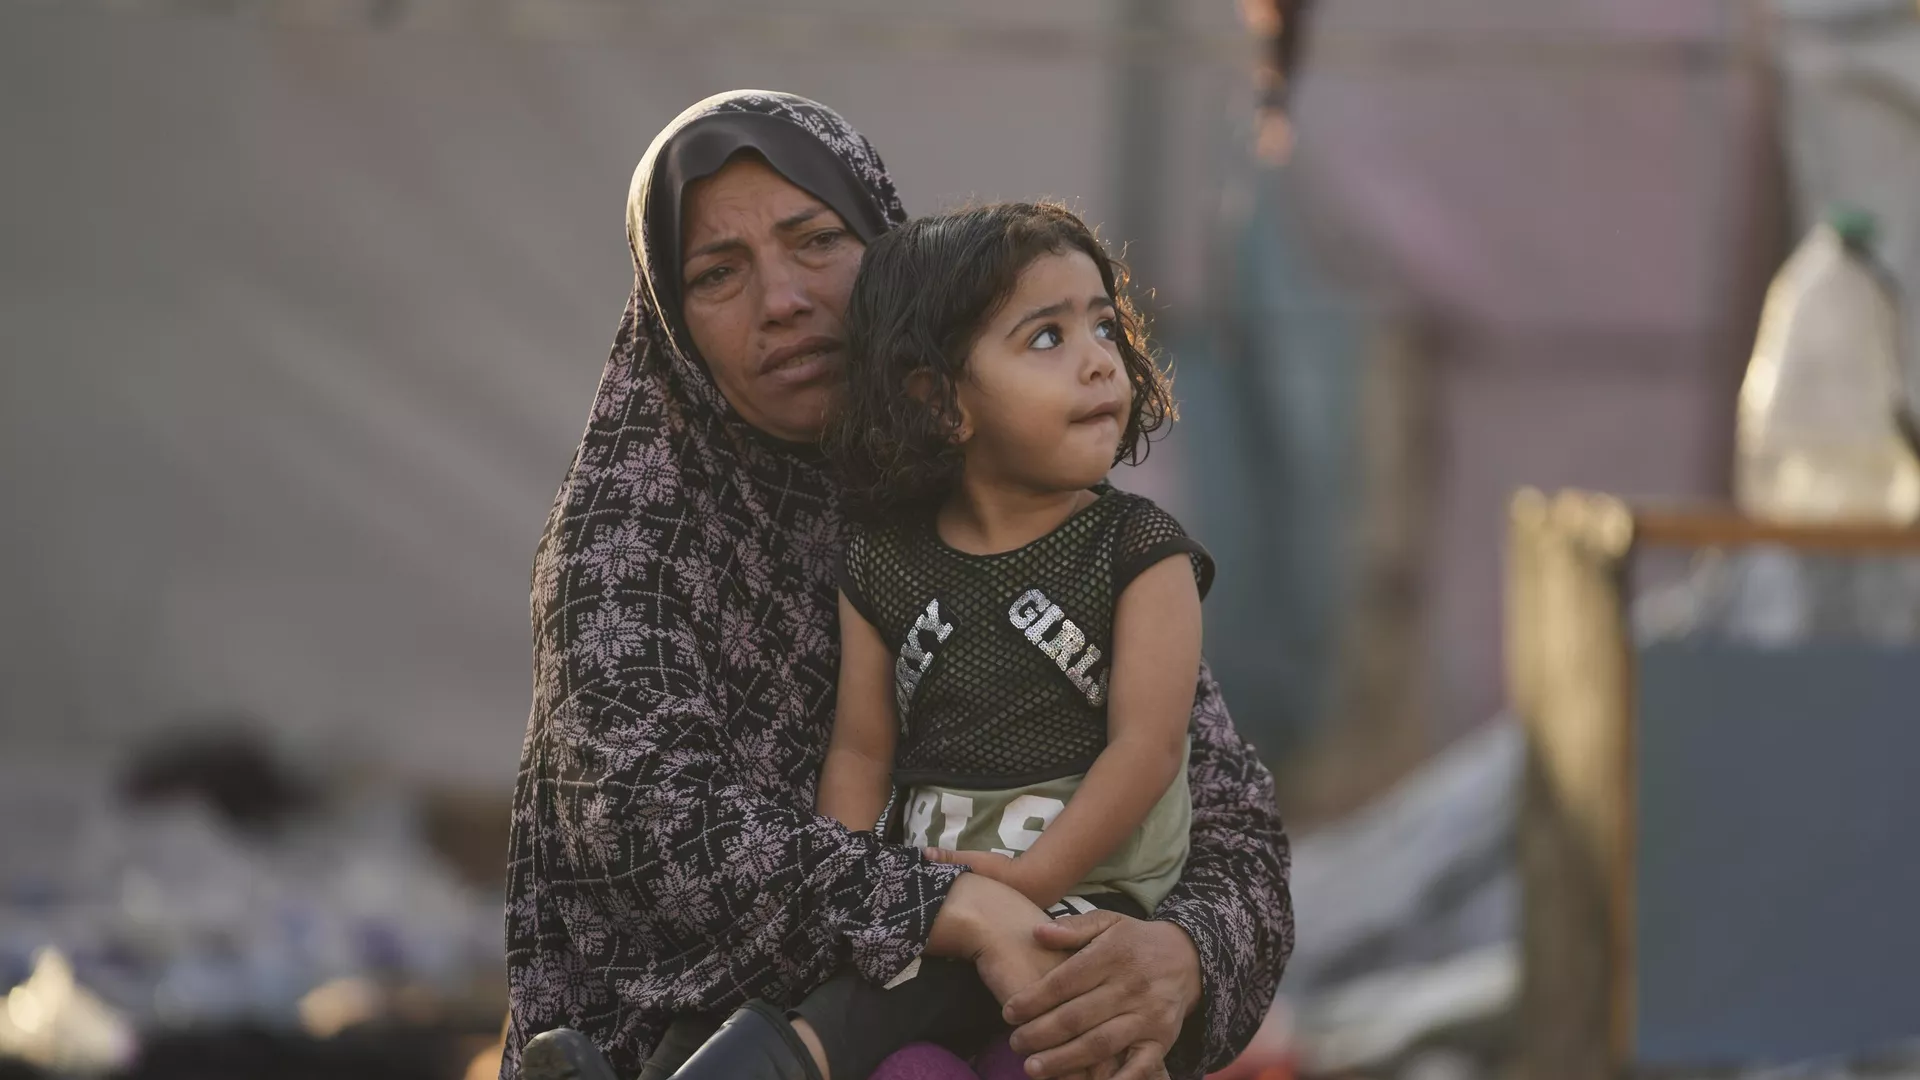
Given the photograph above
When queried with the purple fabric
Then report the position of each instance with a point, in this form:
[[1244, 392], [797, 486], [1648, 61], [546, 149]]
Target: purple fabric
[[926, 1061], [999, 1062], [923, 1061], [665, 857]]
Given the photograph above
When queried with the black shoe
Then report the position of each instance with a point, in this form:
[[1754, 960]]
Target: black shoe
[[563, 1054], [756, 1043]]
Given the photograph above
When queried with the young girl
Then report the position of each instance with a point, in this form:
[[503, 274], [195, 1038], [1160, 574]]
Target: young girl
[[1019, 640]]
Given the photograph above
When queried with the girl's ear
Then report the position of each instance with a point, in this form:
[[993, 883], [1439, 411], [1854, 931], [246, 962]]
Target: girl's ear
[[962, 423], [920, 385]]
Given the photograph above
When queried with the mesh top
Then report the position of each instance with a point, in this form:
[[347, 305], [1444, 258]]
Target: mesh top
[[1001, 666]]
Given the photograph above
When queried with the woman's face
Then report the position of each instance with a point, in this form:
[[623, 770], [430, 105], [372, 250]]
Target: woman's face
[[766, 271]]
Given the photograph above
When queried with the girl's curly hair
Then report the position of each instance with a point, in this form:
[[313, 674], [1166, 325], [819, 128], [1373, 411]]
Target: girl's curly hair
[[925, 292]]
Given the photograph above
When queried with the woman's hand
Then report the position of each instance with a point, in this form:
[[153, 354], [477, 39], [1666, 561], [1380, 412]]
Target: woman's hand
[[1125, 992], [1011, 965]]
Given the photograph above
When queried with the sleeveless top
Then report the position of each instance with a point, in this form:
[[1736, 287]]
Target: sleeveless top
[[1000, 677]]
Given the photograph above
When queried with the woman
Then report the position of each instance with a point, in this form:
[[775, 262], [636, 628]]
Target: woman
[[665, 860]]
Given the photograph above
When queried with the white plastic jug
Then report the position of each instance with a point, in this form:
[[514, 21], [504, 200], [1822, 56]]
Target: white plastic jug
[[1819, 432]]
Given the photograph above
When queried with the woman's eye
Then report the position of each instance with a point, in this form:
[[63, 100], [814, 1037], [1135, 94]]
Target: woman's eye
[[1047, 338], [712, 277], [825, 238]]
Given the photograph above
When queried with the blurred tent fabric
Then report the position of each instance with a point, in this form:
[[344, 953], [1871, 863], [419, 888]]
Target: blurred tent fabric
[[1566, 214], [302, 308]]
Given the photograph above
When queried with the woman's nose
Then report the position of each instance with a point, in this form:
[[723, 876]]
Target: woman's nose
[[784, 291]]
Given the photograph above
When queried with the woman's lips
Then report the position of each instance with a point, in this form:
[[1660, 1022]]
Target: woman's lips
[[803, 362]]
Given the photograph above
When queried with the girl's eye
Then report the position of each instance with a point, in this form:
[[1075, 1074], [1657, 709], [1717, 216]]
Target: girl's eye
[[1107, 329], [1047, 338]]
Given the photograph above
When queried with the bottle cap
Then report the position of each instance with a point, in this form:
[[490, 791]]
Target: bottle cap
[[1856, 226]]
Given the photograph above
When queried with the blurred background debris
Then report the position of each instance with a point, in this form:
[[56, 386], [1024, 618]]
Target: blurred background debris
[[175, 913]]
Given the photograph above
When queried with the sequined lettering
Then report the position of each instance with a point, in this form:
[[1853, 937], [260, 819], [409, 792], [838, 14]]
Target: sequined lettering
[[1095, 689], [916, 656], [1034, 614], [1065, 645], [1029, 607], [1045, 622]]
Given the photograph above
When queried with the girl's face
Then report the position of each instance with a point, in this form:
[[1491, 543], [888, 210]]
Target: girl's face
[[1044, 400]]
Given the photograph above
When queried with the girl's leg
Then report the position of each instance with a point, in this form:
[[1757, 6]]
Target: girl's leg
[[923, 1061], [860, 1024], [685, 1035], [999, 1062]]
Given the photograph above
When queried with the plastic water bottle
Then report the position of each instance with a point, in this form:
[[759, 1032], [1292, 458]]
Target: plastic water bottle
[[1819, 431]]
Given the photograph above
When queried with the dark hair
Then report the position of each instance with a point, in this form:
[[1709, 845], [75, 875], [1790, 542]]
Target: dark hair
[[925, 292]]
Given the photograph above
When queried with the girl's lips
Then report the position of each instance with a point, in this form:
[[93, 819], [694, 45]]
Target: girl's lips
[[1109, 411]]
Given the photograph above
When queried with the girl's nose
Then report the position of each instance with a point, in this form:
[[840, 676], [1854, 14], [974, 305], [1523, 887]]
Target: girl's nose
[[1099, 362]]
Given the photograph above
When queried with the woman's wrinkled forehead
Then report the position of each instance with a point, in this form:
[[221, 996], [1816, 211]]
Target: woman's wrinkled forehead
[[656, 206]]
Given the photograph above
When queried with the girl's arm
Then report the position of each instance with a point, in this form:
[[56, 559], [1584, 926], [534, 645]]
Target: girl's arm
[[858, 774], [1230, 906], [1156, 658]]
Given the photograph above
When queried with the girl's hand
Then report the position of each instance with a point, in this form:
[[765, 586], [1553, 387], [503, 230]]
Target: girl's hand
[[986, 863], [1015, 873], [1025, 875], [993, 926]]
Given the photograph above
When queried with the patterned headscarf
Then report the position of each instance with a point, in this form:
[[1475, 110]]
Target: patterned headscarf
[[664, 856], [667, 468]]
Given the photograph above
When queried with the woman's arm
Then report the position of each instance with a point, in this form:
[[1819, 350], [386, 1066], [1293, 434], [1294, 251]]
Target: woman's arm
[[1197, 979], [1156, 654], [1232, 899], [859, 769], [667, 862]]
